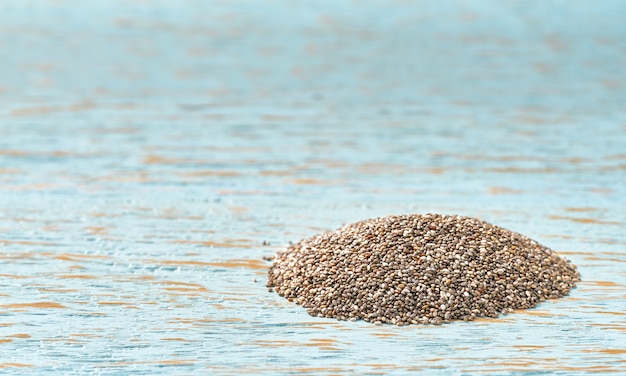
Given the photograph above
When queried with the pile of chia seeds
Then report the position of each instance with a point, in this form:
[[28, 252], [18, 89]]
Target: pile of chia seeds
[[419, 269]]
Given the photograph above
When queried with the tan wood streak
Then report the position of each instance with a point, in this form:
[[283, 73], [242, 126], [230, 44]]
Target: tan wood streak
[[33, 305], [14, 365]]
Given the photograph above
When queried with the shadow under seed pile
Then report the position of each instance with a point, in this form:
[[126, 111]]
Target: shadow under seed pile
[[412, 269]]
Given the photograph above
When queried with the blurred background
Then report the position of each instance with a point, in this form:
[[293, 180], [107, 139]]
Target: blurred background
[[561, 55]]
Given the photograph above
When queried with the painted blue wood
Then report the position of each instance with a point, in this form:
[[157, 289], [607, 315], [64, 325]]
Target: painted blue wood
[[149, 151]]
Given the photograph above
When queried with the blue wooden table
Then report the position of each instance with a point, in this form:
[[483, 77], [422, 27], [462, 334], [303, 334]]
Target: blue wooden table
[[152, 153]]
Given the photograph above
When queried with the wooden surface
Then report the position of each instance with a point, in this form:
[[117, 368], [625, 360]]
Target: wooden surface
[[150, 150]]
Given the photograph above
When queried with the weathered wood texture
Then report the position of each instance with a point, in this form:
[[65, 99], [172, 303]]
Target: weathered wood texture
[[149, 149]]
